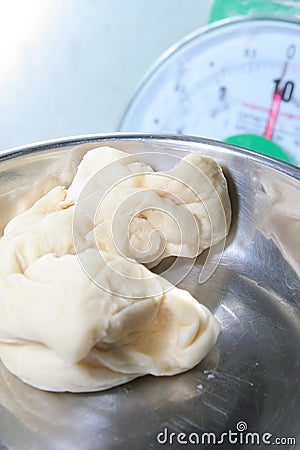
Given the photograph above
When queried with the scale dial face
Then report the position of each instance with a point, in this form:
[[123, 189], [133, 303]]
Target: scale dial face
[[222, 82]]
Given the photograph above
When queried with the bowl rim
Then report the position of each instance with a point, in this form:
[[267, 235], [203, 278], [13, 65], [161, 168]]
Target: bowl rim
[[52, 144]]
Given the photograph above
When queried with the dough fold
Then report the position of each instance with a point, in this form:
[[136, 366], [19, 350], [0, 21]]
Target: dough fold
[[78, 311]]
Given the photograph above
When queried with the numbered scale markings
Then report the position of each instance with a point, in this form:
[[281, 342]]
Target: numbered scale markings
[[232, 78]]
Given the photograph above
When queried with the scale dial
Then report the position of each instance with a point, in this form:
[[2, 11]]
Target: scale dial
[[235, 77]]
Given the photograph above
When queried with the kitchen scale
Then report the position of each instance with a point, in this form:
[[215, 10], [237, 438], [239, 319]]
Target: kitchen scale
[[236, 80]]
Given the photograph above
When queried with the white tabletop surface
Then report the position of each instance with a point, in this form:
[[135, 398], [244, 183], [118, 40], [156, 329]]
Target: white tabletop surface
[[71, 66]]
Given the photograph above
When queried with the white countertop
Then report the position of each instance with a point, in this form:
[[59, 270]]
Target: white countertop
[[71, 66]]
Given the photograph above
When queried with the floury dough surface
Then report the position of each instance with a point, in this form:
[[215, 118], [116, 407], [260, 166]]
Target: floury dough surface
[[181, 211], [83, 317]]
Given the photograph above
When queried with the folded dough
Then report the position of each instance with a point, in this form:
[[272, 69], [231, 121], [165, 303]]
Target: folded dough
[[89, 320], [60, 331], [147, 216]]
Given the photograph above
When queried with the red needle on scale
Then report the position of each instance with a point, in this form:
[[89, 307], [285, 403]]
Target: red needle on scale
[[274, 110]]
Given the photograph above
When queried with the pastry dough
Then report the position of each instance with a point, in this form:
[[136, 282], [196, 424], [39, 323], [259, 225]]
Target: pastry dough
[[93, 319], [147, 216]]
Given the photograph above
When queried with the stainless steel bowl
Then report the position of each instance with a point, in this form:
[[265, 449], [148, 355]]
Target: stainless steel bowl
[[249, 383]]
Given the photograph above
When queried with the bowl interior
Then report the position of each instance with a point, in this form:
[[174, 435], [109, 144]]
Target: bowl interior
[[252, 375]]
